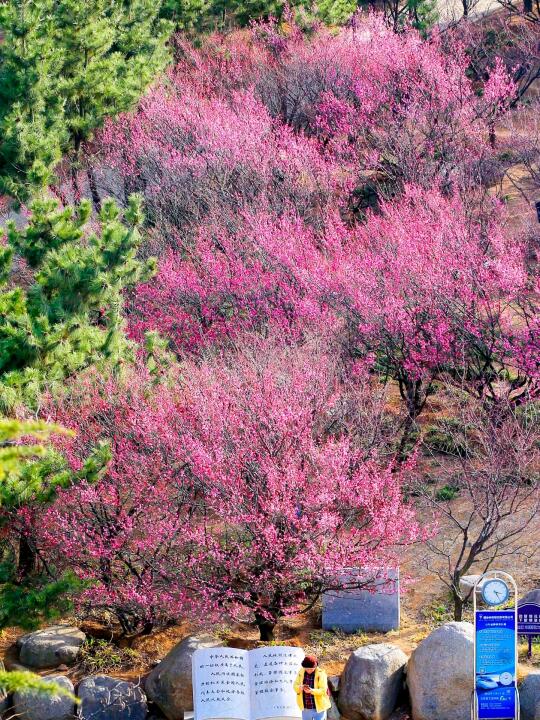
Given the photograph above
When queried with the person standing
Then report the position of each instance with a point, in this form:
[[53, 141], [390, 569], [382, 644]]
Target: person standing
[[311, 688]]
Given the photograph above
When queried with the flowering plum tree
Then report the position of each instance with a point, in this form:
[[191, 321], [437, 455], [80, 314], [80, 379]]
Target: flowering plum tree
[[403, 104], [122, 535], [289, 501], [492, 464], [256, 277], [244, 494], [248, 157], [435, 291]]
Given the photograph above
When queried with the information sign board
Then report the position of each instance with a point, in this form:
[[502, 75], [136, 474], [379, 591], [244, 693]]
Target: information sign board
[[496, 663], [528, 619]]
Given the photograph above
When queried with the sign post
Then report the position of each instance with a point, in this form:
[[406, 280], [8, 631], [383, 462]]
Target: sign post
[[495, 695], [529, 622]]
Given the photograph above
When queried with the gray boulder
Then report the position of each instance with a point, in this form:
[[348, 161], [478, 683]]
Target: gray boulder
[[333, 711], [50, 647], [333, 683], [529, 696], [371, 682], [169, 684], [531, 597], [39, 706], [107, 698], [440, 673], [467, 583]]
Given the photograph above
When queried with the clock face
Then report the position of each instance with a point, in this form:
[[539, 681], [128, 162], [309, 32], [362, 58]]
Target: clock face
[[495, 592], [506, 678]]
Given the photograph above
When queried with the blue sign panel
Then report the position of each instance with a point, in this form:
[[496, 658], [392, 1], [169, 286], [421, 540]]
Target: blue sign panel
[[528, 619], [496, 664]]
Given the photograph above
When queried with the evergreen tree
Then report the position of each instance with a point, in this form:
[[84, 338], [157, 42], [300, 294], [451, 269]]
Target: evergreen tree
[[188, 15], [207, 15], [335, 12], [30, 473], [65, 66], [67, 318], [113, 51], [15, 457], [70, 316], [22, 681], [32, 131]]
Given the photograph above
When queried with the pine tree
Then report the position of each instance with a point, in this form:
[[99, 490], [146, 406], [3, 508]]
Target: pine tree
[[67, 318], [32, 130], [335, 12], [22, 681], [65, 66], [31, 473], [113, 51], [187, 15], [70, 316]]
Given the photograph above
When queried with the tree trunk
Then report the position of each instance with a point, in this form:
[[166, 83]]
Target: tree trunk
[[492, 136], [458, 607], [266, 627], [408, 428], [55, 189], [27, 558], [96, 199], [414, 393], [75, 185]]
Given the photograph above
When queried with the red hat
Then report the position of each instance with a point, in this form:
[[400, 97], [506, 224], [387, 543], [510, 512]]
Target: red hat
[[310, 661]]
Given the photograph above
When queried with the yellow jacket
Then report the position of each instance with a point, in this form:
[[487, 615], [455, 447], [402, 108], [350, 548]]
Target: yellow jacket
[[322, 700]]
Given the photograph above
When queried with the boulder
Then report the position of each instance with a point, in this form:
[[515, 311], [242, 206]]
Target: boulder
[[529, 696], [169, 684], [532, 597], [107, 698], [51, 646], [440, 673], [39, 706], [467, 583], [371, 682], [333, 712], [333, 683]]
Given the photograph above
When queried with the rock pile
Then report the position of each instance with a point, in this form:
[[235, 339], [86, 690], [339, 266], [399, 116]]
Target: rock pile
[[438, 677]]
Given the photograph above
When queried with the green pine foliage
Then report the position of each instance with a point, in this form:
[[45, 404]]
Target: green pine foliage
[[37, 481], [336, 12], [13, 459], [22, 681], [65, 66], [423, 13], [32, 130], [112, 52], [35, 600], [70, 316], [188, 15], [208, 15]]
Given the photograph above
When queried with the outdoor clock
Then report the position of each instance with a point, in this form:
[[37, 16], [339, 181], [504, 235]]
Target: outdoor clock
[[495, 592]]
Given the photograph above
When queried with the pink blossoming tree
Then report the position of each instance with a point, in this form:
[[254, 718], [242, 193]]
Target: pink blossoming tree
[[245, 494]]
